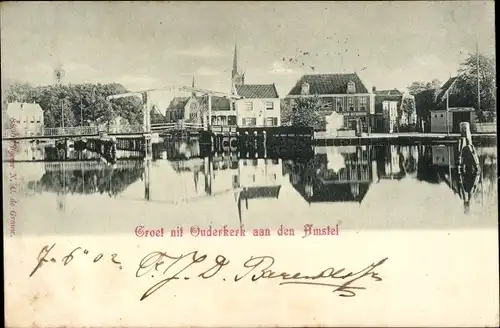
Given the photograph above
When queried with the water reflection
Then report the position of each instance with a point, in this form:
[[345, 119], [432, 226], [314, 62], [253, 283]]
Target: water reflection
[[182, 173]]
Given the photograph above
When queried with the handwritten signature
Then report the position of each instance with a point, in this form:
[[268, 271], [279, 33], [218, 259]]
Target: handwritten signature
[[256, 268], [260, 266]]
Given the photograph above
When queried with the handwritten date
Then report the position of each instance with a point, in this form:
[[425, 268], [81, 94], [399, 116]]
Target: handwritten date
[[43, 257]]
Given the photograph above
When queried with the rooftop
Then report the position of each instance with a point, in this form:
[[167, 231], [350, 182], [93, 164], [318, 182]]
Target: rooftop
[[445, 87], [18, 108], [257, 91], [260, 192], [177, 103], [328, 84]]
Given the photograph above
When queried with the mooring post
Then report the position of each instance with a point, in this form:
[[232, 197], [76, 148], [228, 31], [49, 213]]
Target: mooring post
[[465, 132]]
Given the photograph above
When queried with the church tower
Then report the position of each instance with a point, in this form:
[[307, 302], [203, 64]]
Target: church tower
[[237, 78]]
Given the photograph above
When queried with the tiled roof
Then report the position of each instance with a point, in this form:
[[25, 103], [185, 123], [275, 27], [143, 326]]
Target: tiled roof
[[445, 88], [328, 84], [177, 103], [333, 192], [220, 103], [386, 95], [394, 92], [257, 91], [17, 108], [260, 192]]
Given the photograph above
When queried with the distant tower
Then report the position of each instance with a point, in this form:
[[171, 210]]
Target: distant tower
[[192, 86], [237, 78], [59, 74]]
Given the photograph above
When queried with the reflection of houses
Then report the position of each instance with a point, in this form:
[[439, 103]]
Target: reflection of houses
[[348, 180], [390, 113], [444, 156], [257, 179], [28, 116], [342, 93]]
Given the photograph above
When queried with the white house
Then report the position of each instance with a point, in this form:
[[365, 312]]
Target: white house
[[28, 118], [390, 115], [260, 105]]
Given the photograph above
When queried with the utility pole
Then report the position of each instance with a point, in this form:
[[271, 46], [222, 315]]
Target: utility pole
[[62, 113], [447, 111], [478, 85], [81, 113]]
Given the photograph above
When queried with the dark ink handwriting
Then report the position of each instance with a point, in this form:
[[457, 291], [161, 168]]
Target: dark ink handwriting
[[42, 258], [345, 289], [260, 267], [154, 261]]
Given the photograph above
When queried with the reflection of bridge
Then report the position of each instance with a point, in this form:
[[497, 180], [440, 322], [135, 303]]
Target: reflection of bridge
[[89, 165]]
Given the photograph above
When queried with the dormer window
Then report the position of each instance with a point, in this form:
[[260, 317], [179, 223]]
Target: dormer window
[[351, 87], [305, 89]]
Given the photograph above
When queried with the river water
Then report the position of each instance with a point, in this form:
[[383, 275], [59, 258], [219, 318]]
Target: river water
[[356, 187]]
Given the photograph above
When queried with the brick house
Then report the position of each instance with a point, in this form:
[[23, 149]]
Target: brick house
[[260, 105], [390, 114], [342, 93]]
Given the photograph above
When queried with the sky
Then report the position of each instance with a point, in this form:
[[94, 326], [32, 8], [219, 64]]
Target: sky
[[146, 45]]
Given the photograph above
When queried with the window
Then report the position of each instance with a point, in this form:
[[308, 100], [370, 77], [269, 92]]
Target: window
[[249, 121], [269, 105], [231, 120], [339, 106], [350, 103], [362, 103], [271, 121], [248, 105], [33, 120]]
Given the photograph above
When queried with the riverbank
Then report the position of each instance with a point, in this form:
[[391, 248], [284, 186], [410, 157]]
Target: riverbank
[[410, 138]]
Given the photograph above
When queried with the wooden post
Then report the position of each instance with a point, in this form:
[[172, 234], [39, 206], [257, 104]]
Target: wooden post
[[209, 120], [465, 132]]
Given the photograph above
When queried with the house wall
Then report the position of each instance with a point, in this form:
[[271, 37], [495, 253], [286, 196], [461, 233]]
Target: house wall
[[259, 113], [390, 114], [29, 122], [260, 172], [439, 123], [351, 106]]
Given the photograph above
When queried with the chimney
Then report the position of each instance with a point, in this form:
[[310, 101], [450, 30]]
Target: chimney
[[374, 89], [305, 89]]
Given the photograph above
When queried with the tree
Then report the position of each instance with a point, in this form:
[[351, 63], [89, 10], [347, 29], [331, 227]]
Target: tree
[[286, 112], [85, 103], [467, 85], [305, 113], [419, 86]]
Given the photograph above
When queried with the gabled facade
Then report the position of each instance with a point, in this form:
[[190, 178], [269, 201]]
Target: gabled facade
[[342, 93], [260, 105], [390, 111], [28, 118], [433, 104]]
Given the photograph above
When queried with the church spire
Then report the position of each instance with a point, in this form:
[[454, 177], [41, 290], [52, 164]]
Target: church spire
[[237, 78], [192, 86], [235, 62]]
